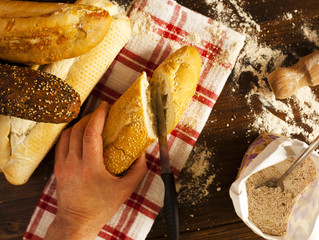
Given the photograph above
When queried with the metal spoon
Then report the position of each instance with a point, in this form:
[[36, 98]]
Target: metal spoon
[[278, 182]]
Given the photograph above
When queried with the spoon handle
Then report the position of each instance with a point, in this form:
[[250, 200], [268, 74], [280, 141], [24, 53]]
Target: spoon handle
[[301, 157]]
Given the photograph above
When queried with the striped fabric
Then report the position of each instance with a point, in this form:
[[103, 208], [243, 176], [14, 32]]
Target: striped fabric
[[172, 26]]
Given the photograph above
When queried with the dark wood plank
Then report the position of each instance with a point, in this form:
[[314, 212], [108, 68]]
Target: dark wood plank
[[17, 203], [234, 231]]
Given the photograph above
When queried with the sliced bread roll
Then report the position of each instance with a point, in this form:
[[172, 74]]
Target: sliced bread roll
[[178, 77], [131, 125], [129, 128]]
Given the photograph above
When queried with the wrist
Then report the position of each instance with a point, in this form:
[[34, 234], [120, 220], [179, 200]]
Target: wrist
[[63, 227]]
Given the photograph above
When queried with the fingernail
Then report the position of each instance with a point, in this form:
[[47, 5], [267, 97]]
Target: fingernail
[[104, 103]]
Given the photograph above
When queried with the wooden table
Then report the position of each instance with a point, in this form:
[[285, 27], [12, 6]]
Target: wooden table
[[225, 135]]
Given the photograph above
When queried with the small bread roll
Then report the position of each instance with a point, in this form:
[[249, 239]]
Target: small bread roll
[[178, 77], [4, 140], [128, 129], [131, 125]]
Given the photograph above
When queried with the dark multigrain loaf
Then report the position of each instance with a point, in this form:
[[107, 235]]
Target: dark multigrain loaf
[[37, 96]]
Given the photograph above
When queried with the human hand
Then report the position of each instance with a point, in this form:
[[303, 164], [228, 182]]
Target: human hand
[[87, 194]]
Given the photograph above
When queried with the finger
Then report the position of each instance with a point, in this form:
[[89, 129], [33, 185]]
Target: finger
[[98, 118], [136, 173], [92, 139], [61, 151], [76, 137], [62, 146]]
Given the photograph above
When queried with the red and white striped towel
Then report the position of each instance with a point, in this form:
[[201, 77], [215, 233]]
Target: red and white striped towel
[[167, 26]]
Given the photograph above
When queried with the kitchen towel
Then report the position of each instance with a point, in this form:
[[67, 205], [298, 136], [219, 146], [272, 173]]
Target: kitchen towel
[[159, 28]]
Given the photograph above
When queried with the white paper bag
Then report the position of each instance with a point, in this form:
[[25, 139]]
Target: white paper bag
[[267, 150]]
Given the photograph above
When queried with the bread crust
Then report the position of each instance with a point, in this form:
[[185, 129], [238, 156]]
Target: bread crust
[[126, 135], [37, 96], [84, 73], [42, 33], [181, 71]]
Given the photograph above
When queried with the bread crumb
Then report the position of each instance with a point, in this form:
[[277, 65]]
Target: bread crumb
[[310, 34], [287, 16], [270, 208]]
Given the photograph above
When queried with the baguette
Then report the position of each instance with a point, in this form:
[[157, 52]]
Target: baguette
[[42, 33], [131, 125], [36, 95], [129, 128], [178, 77], [82, 75]]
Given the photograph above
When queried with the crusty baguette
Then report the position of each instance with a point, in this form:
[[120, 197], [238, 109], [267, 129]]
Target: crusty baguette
[[84, 73], [35, 95], [131, 126], [178, 77], [42, 33], [128, 129]]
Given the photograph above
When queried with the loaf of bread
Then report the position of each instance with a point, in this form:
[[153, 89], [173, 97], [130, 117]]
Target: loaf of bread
[[42, 32], [36, 95], [131, 125], [129, 128], [178, 77], [270, 208], [30, 141]]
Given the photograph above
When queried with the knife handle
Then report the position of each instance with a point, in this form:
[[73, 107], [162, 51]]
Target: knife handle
[[171, 206]]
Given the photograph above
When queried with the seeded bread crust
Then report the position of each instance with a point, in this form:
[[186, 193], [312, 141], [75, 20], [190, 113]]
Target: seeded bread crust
[[36, 95], [125, 134]]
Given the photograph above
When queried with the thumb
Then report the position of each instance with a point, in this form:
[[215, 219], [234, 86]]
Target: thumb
[[135, 173]]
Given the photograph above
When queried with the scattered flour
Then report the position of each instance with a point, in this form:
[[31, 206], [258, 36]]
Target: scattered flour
[[232, 14], [297, 116], [311, 35], [287, 16], [143, 25], [200, 176], [193, 38]]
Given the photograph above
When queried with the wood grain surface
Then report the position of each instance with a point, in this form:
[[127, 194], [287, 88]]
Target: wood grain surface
[[226, 135]]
